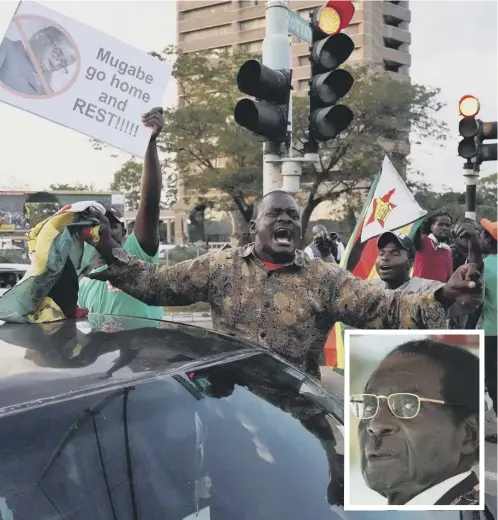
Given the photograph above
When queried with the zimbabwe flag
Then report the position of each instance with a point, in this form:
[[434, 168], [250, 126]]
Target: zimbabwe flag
[[48, 291], [389, 206]]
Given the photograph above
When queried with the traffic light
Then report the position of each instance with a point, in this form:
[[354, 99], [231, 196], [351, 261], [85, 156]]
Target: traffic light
[[330, 48], [268, 115], [475, 132]]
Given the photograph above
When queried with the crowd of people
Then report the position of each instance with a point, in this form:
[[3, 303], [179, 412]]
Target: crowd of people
[[285, 299]]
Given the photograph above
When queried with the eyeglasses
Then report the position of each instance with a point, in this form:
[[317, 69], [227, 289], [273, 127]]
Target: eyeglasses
[[402, 405]]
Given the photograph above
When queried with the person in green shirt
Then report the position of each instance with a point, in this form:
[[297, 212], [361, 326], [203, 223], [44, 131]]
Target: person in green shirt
[[101, 297], [489, 235]]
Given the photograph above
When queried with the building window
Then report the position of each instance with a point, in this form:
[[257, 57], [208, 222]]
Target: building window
[[303, 61], [200, 12], [392, 44], [216, 51], [303, 84], [392, 21], [391, 66], [200, 34], [249, 3], [251, 47], [247, 25]]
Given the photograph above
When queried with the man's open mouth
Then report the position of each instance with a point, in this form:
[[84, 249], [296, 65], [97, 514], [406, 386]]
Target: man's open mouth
[[385, 268], [283, 236]]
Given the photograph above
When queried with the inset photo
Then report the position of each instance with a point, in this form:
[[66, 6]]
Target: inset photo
[[414, 430]]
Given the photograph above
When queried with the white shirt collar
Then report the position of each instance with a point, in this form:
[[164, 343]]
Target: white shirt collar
[[430, 496], [437, 243]]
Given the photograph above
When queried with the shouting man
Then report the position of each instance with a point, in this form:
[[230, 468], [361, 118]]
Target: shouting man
[[102, 297], [275, 295]]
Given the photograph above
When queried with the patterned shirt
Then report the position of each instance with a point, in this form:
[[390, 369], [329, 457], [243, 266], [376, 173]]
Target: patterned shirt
[[418, 285], [288, 310]]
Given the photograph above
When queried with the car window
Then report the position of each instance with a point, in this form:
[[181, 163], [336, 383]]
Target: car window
[[246, 440]]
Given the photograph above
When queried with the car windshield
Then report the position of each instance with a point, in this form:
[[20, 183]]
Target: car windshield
[[248, 439]]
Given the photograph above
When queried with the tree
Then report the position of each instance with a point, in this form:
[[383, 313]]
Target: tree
[[128, 179], [386, 109], [71, 187], [209, 150], [454, 202], [213, 153], [432, 201], [487, 199]]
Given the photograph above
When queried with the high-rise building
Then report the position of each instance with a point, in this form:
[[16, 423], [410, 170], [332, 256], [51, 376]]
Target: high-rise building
[[379, 29]]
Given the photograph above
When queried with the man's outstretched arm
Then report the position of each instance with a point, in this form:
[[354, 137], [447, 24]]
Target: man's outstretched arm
[[356, 303], [146, 227], [159, 285], [181, 284]]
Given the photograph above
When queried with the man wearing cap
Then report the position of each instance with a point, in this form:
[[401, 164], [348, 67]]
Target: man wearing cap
[[395, 261], [143, 243]]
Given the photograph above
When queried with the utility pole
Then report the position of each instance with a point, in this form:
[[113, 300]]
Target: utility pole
[[270, 83], [471, 174], [277, 55]]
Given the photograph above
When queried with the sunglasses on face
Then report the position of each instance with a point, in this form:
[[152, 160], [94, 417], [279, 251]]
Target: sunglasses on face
[[402, 405]]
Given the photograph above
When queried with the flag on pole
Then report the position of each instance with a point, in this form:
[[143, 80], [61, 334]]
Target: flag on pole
[[389, 206]]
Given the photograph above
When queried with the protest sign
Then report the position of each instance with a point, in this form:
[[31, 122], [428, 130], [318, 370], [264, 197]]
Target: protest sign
[[71, 74]]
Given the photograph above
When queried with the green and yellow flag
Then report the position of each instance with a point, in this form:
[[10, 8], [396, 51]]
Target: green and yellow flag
[[389, 206]]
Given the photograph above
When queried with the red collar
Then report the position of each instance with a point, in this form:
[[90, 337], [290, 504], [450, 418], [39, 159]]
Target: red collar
[[272, 267]]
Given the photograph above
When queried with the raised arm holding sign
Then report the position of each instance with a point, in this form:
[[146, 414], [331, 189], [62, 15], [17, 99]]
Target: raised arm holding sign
[[78, 77]]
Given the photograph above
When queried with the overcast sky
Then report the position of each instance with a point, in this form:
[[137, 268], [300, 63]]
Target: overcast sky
[[454, 47]]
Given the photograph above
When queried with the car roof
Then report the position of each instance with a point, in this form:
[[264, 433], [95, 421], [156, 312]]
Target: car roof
[[13, 267], [40, 362]]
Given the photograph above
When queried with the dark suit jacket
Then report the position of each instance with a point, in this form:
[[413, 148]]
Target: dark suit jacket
[[16, 69], [465, 493]]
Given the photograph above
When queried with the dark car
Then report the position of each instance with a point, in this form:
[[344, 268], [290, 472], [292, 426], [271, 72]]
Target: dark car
[[112, 418]]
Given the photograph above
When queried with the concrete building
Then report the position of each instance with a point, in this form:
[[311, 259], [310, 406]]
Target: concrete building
[[379, 29]]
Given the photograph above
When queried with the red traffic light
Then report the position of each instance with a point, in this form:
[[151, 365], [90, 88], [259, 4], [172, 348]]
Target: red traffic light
[[469, 106], [334, 16]]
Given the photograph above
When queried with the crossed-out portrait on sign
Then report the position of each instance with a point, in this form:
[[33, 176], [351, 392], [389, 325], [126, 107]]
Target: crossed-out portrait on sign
[[414, 429], [38, 58]]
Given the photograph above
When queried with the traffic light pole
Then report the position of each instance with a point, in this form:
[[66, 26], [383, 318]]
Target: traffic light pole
[[277, 54], [471, 173]]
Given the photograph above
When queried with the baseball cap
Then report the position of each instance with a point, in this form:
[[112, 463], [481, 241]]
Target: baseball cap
[[404, 241], [490, 227], [112, 212]]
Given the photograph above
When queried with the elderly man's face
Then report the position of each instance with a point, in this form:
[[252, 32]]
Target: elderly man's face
[[402, 457], [53, 55]]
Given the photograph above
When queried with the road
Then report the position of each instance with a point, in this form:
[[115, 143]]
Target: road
[[336, 381]]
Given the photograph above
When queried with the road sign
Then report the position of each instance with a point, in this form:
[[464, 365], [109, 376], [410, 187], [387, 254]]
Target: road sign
[[299, 27]]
